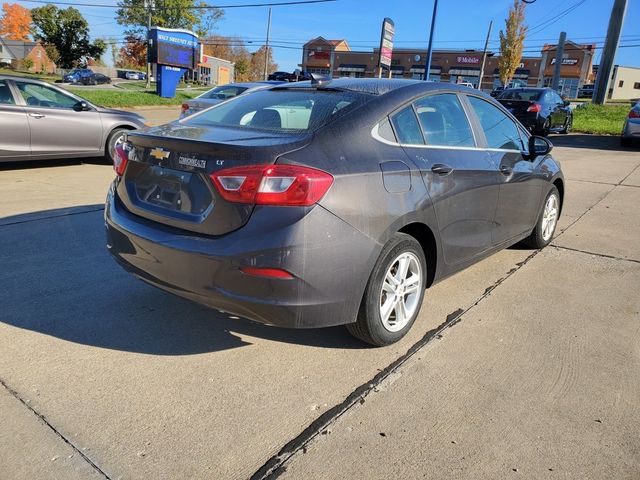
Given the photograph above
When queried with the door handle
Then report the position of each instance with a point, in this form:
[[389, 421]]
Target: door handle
[[506, 170], [37, 115], [441, 169]]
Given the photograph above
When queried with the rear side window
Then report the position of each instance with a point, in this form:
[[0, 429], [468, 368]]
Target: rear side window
[[443, 121], [407, 128], [521, 94], [294, 110], [501, 132], [6, 97]]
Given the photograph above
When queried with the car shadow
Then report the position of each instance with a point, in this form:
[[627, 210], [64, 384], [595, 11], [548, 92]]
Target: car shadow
[[595, 142], [59, 280], [30, 164]]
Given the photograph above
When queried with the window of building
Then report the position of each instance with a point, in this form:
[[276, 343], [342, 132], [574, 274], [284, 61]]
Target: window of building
[[636, 86], [407, 128], [500, 131], [443, 121], [621, 83], [321, 71]]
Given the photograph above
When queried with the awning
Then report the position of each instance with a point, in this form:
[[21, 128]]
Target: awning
[[434, 70], [352, 67], [397, 69], [465, 71], [521, 73]]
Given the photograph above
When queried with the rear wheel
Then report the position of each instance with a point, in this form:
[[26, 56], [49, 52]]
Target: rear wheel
[[546, 128], [547, 221], [394, 293], [116, 137], [568, 125]]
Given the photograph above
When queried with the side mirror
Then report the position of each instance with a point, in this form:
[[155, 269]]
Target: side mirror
[[81, 107], [539, 146]]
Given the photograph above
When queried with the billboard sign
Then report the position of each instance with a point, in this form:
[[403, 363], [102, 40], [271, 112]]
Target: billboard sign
[[386, 42], [174, 51]]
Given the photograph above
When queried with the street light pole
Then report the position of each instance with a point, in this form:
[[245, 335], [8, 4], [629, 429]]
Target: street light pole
[[609, 52], [149, 5], [427, 67], [484, 55], [266, 49]]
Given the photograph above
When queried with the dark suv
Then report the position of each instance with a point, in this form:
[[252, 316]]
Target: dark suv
[[77, 74]]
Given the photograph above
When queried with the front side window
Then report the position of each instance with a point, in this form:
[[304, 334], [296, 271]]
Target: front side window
[[224, 93], [41, 96], [6, 97], [281, 109], [443, 121], [407, 127], [500, 131]]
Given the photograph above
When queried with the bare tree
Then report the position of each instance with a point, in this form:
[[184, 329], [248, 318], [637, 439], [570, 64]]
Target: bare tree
[[512, 42]]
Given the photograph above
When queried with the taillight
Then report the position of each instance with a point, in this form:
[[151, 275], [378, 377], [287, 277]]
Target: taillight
[[185, 107], [634, 114], [535, 108], [286, 185], [120, 160]]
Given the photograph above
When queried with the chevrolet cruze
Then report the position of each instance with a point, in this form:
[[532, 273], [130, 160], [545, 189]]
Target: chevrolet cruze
[[330, 202]]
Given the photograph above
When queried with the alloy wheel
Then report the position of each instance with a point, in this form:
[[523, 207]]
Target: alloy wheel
[[115, 141], [550, 217], [400, 293]]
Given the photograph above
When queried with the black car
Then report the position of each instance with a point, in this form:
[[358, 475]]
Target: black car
[[289, 77], [95, 79], [541, 110], [330, 202], [586, 91]]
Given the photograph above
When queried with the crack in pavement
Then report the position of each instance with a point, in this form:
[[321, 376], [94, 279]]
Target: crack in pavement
[[276, 465], [603, 255], [16, 395]]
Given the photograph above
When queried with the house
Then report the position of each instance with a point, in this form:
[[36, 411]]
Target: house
[[14, 52]]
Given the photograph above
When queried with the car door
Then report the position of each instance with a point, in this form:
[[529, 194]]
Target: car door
[[558, 113], [460, 178], [14, 127], [57, 128], [520, 185]]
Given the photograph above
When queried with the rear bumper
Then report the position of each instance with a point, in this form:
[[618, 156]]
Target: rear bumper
[[531, 121], [631, 128], [329, 259]]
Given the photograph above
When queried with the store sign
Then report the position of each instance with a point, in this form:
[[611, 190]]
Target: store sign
[[566, 61], [468, 60], [386, 42], [318, 55]]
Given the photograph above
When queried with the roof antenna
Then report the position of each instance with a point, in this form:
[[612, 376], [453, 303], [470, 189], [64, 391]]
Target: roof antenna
[[319, 79]]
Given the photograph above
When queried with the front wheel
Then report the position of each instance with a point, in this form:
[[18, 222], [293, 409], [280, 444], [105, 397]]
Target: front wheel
[[394, 293], [547, 221]]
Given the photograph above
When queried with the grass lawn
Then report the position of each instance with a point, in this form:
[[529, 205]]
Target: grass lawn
[[119, 98], [38, 76], [600, 119]]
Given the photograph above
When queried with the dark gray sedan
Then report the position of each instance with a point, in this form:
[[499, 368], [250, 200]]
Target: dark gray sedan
[[330, 202], [39, 121]]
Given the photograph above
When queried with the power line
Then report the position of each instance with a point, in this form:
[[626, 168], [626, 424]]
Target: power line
[[202, 7], [564, 13]]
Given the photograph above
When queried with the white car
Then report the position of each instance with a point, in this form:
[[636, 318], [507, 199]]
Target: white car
[[135, 76]]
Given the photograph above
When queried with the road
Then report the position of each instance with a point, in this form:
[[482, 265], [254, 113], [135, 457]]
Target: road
[[527, 364]]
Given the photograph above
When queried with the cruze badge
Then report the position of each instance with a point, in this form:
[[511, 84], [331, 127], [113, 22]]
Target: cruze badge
[[192, 162], [159, 154]]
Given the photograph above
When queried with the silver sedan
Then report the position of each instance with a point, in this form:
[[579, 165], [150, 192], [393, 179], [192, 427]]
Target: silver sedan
[[631, 129], [222, 93], [40, 121]]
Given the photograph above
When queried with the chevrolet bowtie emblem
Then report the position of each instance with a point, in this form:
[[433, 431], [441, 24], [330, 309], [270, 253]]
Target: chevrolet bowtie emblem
[[159, 154]]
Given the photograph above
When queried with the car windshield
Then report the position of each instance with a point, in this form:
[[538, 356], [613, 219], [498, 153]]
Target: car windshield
[[518, 94], [223, 93], [281, 110]]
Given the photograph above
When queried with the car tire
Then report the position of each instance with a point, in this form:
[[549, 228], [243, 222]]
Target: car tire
[[401, 267], [115, 137], [543, 231], [546, 128], [568, 125]]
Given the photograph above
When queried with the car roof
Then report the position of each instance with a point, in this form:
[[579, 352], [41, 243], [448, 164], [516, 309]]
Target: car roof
[[373, 86]]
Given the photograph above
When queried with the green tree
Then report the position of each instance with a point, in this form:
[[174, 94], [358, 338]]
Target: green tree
[[68, 31], [512, 42], [187, 14], [52, 53], [27, 64]]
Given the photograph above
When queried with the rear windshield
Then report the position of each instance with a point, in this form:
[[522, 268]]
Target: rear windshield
[[529, 95], [223, 93], [280, 110]]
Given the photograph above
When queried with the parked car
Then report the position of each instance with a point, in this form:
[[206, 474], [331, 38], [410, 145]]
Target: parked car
[[222, 93], [541, 110], [330, 202], [631, 129], [497, 91], [135, 76], [95, 79], [586, 91], [76, 75], [289, 77], [40, 121]]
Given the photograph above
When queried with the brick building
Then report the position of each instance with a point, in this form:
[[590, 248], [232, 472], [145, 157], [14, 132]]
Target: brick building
[[15, 52]]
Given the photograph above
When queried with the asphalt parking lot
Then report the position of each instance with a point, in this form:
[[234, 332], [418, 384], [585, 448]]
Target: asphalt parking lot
[[525, 365]]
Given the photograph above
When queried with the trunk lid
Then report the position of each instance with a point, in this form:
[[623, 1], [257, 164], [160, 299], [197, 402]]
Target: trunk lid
[[518, 108], [168, 181]]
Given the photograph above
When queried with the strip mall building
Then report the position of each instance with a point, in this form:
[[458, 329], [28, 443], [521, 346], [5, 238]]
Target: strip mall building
[[335, 57]]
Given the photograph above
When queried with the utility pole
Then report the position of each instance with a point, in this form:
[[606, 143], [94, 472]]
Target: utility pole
[[601, 89], [149, 5], [484, 55], [266, 49], [555, 83], [427, 67]]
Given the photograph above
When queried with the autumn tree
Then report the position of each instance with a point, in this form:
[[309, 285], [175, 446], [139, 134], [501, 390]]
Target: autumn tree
[[15, 23], [512, 42], [68, 31], [188, 14], [133, 53], [256, 65]]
